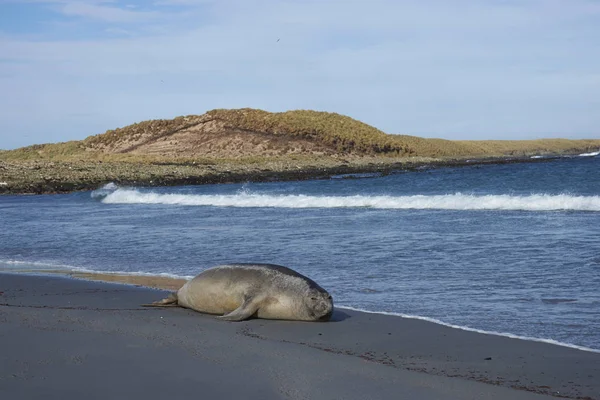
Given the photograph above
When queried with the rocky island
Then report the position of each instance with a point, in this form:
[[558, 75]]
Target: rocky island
[[248, 145]]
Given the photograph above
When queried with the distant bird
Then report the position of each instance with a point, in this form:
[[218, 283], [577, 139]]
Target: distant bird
[[278, 40]]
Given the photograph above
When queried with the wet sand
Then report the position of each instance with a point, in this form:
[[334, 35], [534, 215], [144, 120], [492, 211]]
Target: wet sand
[[70, 338]]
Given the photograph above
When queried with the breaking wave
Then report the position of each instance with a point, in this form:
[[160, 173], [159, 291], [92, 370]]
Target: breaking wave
[[104, 190], [458, 201]]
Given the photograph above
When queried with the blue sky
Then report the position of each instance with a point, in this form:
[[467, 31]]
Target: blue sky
[[460, 69]]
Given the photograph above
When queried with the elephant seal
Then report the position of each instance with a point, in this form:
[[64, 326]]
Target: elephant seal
[[240, 291]]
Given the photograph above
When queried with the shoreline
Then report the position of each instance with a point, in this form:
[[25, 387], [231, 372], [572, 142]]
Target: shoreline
[[173, 283], [59, 177], [57, 329]]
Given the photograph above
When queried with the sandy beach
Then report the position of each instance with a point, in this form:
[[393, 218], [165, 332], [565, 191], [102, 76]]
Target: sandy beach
[[70, 338]]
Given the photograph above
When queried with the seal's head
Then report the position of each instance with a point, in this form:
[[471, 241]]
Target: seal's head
[[319, 305]]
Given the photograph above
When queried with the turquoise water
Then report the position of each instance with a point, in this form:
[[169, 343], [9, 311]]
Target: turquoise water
[[508, 248]]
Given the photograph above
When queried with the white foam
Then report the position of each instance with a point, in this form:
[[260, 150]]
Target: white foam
[[36, 265], [466, 328], [110, 186], [458, 201], [41, 266], [593, 154], [104, 190]]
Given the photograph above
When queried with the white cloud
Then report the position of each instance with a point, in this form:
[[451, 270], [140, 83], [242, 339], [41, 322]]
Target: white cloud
[[106, 13]]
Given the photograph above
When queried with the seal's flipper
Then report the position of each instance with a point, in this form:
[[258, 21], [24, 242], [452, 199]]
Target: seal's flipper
[[245, 311], [170, 301]]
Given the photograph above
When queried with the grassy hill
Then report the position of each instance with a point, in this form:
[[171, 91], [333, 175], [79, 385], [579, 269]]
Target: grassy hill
[[250, 133]]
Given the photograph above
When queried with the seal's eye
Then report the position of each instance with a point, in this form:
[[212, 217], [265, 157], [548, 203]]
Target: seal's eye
[[313, 298]]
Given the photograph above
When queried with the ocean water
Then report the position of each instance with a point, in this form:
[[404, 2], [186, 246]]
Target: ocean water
[[511, 248]]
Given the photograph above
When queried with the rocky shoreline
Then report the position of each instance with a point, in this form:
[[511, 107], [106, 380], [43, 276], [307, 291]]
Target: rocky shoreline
[[51, 177]]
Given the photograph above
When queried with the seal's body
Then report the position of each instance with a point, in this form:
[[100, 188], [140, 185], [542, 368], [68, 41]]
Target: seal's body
[[239, 291]]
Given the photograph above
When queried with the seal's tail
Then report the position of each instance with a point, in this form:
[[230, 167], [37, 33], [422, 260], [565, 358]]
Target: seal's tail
[[170, 301]]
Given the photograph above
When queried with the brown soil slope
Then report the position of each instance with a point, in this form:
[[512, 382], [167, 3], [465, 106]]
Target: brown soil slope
[[247, 132]]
